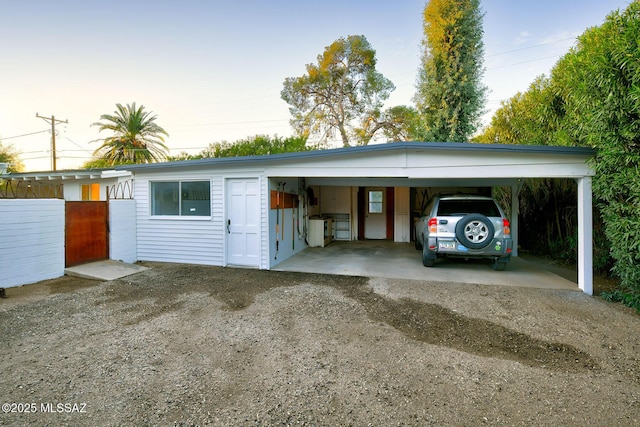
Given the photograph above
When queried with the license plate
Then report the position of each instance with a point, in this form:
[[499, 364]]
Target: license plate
[[447, 245]]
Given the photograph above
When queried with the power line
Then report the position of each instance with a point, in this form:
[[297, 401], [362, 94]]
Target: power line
[[230, 123], [504, 53], [529, 47], [77, 145], [523, 62], [26, 134], [35, 158]]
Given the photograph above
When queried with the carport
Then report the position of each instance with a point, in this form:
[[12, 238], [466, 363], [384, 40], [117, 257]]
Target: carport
[[408, 165]]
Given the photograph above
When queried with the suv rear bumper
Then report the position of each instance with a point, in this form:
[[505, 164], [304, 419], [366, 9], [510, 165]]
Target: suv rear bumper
[[498, 248]]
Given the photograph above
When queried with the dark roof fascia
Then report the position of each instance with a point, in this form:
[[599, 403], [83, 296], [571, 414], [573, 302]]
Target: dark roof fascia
[[394, 146]]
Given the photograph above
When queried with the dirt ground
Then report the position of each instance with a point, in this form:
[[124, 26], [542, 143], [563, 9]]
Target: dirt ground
[[196, 345]]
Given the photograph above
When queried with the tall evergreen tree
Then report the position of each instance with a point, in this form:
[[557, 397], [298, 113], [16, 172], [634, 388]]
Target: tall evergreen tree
[[450, 95]]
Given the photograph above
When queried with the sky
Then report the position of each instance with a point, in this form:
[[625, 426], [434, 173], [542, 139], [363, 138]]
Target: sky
[[212, 70]]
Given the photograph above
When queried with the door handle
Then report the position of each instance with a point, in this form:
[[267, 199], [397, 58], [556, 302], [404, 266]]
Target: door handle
[[228, 224]]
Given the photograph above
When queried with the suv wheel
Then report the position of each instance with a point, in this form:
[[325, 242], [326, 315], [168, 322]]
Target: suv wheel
[[427, 259], [475, 231], [498, 265]]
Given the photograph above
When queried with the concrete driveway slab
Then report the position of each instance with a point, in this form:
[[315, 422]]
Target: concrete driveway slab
[[401, 261], [104, 270]]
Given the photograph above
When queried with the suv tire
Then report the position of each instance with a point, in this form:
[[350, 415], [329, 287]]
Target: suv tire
[[498, 265], [427, 259], [475, 231]]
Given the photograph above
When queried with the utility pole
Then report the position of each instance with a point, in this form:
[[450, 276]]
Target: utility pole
[[53, 121]]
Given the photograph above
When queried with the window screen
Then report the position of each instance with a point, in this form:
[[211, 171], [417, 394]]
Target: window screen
[[181, 198], [195, 198]]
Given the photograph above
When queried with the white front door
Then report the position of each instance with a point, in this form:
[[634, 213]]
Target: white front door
[[375, 222], [243, 222]]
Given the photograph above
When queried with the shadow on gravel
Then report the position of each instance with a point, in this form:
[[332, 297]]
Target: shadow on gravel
[[429, 323], [434, 324]]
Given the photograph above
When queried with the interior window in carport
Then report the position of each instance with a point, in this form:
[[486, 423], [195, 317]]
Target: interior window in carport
[[375, 201], [181, 198]]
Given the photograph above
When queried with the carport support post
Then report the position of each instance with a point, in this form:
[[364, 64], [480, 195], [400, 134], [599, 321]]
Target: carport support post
[[515, 214], [585, 236]]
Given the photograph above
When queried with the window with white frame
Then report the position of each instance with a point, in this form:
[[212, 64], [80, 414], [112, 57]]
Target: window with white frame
[[375, 201], [181, 198]]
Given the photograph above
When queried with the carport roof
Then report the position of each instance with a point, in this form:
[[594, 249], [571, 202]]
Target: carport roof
[[462, 147]]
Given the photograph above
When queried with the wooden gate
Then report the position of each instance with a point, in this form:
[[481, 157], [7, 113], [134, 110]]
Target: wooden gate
[[86, 232]]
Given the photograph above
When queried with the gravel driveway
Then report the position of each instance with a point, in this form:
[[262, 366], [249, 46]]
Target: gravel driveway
[[196, 345]]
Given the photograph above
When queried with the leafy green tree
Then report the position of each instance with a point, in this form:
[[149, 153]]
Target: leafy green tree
[[535, 117], [450, 95], [183, 155], [547, 206], [136, 137], [96, 163], [343, 93], [599, 81], [591, 99], [258, 145], [10, 156], [397, 123]]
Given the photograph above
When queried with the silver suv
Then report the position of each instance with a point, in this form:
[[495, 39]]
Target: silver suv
[[464, 227]]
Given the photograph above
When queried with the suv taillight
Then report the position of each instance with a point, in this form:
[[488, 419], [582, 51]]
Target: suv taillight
[[506, 226], [433, 225]]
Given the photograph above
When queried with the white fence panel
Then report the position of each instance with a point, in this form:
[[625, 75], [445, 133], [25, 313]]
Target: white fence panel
[[31, 240], [122, 230]]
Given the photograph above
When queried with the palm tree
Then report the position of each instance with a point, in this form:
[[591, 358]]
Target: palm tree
[[137, 138]]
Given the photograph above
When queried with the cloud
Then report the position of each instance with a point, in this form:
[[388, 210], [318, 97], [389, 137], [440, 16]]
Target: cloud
[[560, 36], [523, 37], [559, 42]]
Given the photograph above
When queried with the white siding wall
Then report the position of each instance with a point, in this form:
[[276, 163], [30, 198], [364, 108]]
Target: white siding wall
[[217, 235], [122, 230], [31, 240], [402, 217], [189, 240], [186, 240], [264, 223]]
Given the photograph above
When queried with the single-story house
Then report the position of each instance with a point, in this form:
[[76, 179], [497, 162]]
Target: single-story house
[[257, 211], [70, 185]]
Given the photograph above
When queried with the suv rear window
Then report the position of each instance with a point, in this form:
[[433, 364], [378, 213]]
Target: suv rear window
[[464, 207]]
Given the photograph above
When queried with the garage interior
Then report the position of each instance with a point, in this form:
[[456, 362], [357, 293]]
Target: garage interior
[[344, 239]]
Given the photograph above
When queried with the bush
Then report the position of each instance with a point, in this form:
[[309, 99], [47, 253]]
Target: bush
[[598, 81]]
